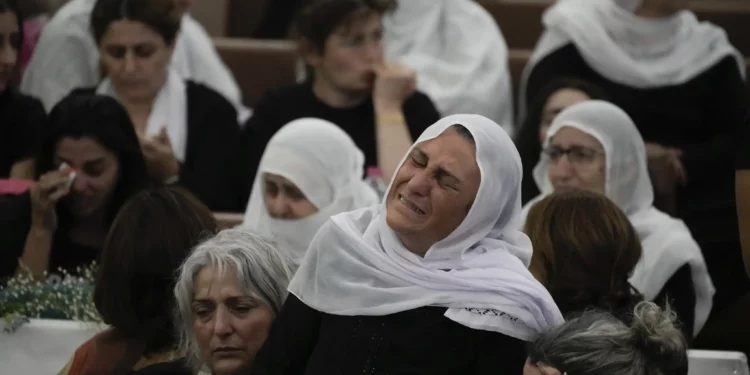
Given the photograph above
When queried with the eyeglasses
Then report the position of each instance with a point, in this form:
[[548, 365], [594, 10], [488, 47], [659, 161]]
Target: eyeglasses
[[576, 154]]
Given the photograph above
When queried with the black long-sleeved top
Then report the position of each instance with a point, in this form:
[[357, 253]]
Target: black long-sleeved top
[[21, 120], [420, 341], [281, 106], [699, 117], [214, 164]]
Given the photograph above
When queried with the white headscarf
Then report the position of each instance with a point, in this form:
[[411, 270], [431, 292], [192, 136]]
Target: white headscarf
[[326, 166], [666, 241], [356, 265], [168, 111], [459, 54], [630, 50]]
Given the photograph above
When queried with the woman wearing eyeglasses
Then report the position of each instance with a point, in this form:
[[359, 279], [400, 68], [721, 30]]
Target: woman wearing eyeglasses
[[595, 146]]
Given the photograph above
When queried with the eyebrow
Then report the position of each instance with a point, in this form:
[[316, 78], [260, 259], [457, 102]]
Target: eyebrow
[[420, 153]]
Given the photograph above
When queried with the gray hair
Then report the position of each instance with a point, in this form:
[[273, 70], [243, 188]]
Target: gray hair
[[262, 271], [597, 343]]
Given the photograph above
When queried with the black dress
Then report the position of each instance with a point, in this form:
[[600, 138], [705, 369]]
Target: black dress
[[422, 341], [214, 168], [15, 222], [279, 107], [21, 120], [699, 117]]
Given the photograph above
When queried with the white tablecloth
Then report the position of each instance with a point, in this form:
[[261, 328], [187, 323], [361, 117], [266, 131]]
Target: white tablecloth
[[42, 346], [708, 362]]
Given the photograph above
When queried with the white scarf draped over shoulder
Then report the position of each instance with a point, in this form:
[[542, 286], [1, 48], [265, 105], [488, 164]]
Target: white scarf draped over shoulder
[[325, 165], [357, 265], [459, 53], [168, 111], [667, 243], [630, 50]]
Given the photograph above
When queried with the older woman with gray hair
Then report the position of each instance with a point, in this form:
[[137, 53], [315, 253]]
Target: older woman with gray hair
[[228, 293], [597, 343]]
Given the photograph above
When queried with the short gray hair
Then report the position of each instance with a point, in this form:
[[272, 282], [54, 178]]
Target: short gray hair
[[597, 343], [262, 271]]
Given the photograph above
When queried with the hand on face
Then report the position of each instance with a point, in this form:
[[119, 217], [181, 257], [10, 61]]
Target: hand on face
[[665, 167], [51, 187], [159, 156], [394, 84]]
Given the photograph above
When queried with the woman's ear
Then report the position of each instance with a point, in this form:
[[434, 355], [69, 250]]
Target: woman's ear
[[309, 54]]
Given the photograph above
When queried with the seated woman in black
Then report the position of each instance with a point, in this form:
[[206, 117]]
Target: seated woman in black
[[585, 249], [552, 99], [188, 132], [682, 83], [21, 117], [595, 146], [61, 224], [351, 85], [432, 281]]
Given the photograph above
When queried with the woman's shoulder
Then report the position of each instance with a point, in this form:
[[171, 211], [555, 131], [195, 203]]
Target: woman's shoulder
[[207, 107], [203, 93], [20, 98], [177, 367]]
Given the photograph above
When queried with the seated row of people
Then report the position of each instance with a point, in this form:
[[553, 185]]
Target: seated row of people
[[407, 276], [683, 85], [189, 133]]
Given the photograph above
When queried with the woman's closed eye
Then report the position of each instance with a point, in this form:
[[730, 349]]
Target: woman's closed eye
[[117, 52], [144, 50], [203, 311], [418, 162]]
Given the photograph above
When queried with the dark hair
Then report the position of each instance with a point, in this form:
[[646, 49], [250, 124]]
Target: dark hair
[[32, 8], [160, 15], [464, 132], [584, 251], [150, 238], [598, 343], [12, 6], [527, 138], [102, 118], [321, 18]]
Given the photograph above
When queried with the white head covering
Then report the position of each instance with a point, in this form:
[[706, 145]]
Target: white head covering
[[666, 241], [631, 50], [356, 265], [326, 166], [169, 110], [459, 54]]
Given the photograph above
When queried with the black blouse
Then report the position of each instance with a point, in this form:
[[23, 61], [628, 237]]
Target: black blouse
[[214, 168], [15, 223], [21, 120], [420, 341], [281, 106], [701, 117]]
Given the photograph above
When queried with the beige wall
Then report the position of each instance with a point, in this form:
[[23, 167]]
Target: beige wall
[[212, 14]]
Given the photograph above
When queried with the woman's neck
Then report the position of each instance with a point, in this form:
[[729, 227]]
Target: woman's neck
[[328, 94], [415, 245]]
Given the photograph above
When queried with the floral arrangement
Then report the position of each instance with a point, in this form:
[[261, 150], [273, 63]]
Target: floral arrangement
[[56, 296]]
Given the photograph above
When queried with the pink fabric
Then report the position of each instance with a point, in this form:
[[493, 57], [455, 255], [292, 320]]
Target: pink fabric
[[14, 187], [32, 29]]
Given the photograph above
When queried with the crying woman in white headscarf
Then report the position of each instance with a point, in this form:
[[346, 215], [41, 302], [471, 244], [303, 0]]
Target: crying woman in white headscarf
[[310, 170], [595, 146], [434, 280]]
